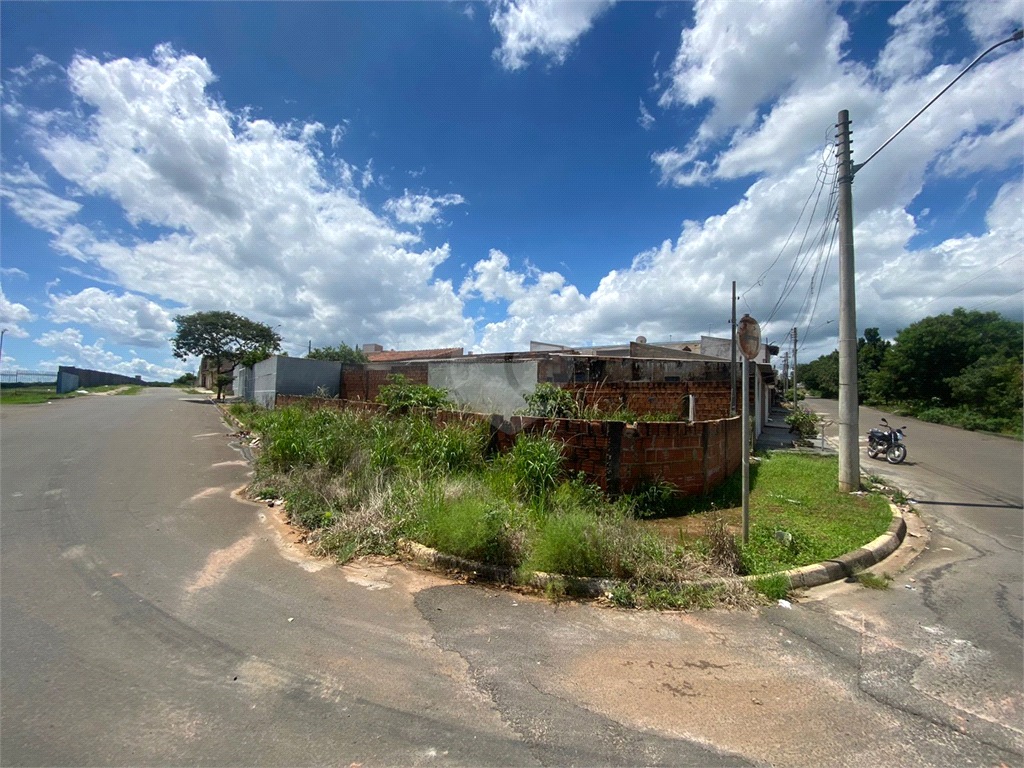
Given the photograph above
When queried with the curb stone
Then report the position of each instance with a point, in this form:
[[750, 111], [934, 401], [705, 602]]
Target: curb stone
[[806, 576]]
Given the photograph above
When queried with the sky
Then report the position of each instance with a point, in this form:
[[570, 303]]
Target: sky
[[485, 175]]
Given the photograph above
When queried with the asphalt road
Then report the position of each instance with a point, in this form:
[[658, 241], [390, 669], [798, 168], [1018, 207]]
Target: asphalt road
[[150, 617]]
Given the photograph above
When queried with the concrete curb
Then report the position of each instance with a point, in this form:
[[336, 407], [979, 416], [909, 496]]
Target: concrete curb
[[806, 576]]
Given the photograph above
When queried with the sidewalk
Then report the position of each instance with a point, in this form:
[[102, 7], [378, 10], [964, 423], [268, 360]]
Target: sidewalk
[[775, 436]]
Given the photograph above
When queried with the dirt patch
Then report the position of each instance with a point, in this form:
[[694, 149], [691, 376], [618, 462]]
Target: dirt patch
[[692, 527]]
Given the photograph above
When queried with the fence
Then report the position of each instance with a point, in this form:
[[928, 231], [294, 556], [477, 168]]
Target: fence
[[28, 377]]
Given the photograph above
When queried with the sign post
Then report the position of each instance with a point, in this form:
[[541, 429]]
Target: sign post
[[748, 334]]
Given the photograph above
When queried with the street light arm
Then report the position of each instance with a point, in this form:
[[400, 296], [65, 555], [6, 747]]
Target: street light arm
[[1016, 36]]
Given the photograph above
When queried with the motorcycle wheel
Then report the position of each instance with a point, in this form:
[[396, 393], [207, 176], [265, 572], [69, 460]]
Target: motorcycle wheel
[[873, 451], [896, 454]]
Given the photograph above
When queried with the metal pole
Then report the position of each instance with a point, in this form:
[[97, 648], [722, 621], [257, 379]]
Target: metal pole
[[4, 330], [746, 451], [732, 354], [849, 458]]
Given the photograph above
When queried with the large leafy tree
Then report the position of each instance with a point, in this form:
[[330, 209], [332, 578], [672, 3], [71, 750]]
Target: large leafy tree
[[342, 353], [222, 336], [930, 355]]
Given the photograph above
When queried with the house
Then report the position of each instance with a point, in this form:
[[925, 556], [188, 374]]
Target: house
[[208, 373]]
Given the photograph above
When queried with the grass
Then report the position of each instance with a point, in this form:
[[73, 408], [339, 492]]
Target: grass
[[359, 483], [874, 581], [48, 392], [797, 515]]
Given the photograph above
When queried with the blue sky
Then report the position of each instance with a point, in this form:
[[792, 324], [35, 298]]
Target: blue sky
[[484, 175]]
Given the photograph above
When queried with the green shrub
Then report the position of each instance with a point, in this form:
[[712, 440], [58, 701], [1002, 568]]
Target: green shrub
[[653, 498], [804, 423], [573, 544], [400, 395], [550, 402], [452, 449], [535, 465], [472, 524]]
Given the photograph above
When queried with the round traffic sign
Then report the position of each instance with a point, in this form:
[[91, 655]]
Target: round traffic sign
[[748, 335]]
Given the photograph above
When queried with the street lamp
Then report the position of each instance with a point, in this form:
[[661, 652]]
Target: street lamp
[[2, 332]]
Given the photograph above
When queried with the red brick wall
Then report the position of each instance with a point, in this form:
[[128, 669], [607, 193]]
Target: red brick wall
[[694, 457], [646, 397], [362, 382]]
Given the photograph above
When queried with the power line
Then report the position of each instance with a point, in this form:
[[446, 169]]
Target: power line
[[822, 174], [971, 280], [1001, 298]]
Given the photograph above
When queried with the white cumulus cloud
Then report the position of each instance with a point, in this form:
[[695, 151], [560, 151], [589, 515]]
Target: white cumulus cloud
[[546, 28], [249, 215], [420, 209], [126, 318]]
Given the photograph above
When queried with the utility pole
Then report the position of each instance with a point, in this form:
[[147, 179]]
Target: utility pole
[[732, 355], [796, 401], [849, 456], [849, 459], [785, 375]]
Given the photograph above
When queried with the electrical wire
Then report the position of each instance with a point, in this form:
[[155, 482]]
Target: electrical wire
[[822, 174], [1001, 298]]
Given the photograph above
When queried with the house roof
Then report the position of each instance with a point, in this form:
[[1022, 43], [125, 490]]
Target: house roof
[[413, 354]]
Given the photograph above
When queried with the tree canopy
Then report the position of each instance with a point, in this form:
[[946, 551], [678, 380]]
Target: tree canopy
[[224, 336], [342, 353], [965, 367]]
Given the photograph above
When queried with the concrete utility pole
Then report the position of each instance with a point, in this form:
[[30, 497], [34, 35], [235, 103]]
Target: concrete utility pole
[[796, 402], [849, 456], [732, 354]]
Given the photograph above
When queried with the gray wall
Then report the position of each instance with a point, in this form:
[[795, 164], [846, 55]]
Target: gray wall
[[280, 375], [245, 382], [486, 387], [66, 382], [88, 378]]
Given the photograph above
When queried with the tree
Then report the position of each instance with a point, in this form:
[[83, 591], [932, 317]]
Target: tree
[[224, 337], [821, 375], [186, 379], [342, 353], [932, 352]]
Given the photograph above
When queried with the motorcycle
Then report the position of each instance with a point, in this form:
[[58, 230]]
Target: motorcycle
[[887, 442]]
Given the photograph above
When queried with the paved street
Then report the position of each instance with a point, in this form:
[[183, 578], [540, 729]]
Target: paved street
[[150, 617]]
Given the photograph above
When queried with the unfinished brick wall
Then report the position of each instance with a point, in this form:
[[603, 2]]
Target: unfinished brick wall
[[646, 397], [694, 457], [363, 382]]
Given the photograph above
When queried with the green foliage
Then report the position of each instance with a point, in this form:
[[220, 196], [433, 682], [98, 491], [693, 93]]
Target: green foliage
[[534, 465], [930, 353], [224, 336], [342, 353], [821, 375], [254, 356], [400, 395], [222, 381], [874, 580], [187, 379], [574, 544], [473, 524], [653, 498], [774, 587], [964, 369], [804, 423], [799, 496], [551, 402]]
